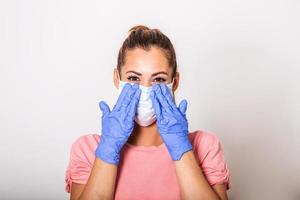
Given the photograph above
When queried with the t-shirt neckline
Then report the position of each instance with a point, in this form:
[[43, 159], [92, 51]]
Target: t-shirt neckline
[[145, 148]]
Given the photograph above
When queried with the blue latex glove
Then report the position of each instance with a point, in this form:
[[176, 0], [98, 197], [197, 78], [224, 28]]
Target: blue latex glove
[[117, 124], [171, 121]]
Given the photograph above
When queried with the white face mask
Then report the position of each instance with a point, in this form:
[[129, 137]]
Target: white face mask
[[145, 114]]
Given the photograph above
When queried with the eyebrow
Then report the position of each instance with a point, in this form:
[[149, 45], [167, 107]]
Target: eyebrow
[[155, 74]]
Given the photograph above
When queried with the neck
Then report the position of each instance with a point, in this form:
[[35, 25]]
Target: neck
[[145, 136]]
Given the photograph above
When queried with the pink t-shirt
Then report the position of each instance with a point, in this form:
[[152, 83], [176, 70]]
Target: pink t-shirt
[[148, 172]]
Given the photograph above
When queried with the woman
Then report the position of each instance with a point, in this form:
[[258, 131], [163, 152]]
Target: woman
[[145, 150]]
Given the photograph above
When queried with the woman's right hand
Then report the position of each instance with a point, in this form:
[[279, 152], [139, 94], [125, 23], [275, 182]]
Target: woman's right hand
[[117, 124]]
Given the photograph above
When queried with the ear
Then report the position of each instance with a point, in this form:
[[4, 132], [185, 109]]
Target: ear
[[116, 78], [176, 82]]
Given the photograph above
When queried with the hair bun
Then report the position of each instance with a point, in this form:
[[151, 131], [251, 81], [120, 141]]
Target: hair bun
[[139, 28]]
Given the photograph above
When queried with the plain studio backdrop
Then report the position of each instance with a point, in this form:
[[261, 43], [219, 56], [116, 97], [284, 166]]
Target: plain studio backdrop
[[239, 64]]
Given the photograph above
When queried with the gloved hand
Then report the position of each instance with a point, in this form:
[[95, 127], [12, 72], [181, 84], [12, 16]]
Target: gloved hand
[[171, 121], [117, 124]]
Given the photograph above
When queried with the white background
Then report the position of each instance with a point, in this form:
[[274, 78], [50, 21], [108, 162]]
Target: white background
[[239, 64]]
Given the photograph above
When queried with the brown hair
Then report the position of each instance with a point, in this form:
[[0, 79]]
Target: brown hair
[[143, 37]]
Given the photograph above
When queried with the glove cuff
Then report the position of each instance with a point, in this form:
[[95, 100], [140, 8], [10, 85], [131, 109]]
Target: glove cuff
[[107, 153], [177, 151]]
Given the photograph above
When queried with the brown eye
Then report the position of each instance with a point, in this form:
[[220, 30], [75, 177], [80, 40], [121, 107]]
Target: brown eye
[[133, 78], [159, 80]]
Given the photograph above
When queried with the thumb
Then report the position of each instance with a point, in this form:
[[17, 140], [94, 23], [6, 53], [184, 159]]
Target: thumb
[[183, 106], [104, 108]]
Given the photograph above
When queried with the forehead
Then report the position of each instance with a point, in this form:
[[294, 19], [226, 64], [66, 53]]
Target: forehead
[[141, 60]]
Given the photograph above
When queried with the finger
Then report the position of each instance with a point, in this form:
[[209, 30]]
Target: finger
[[122, 96], [128, 97], [104, 108], [131, 110], [167, 93], [156, 105], [161, 99], [183, 106]]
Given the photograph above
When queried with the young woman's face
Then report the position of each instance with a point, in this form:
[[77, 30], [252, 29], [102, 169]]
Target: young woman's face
[[146, 68]]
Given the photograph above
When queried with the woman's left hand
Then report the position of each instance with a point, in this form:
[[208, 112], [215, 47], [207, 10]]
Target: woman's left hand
[[171, 121]]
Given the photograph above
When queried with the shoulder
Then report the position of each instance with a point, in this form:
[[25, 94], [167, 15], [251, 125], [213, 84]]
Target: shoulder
[[202, 138], [206, 144], [84, 147], [86, 139]]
